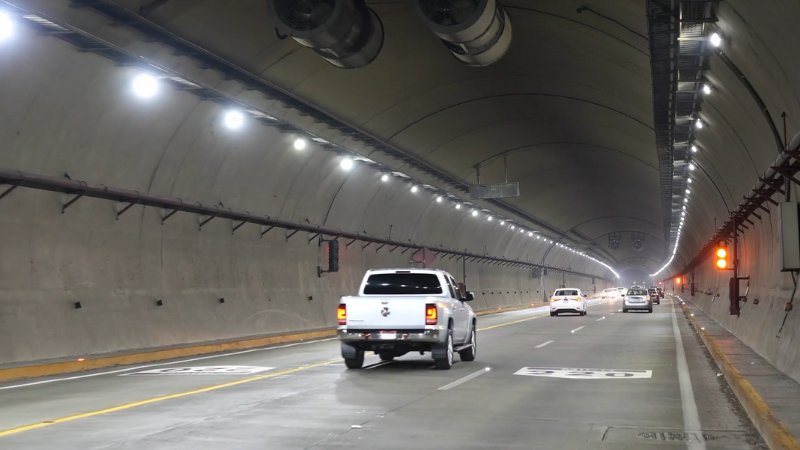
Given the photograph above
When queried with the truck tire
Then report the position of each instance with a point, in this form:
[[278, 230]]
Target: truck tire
[[468, 354], [443, 353], [386, 356], [356, 362]]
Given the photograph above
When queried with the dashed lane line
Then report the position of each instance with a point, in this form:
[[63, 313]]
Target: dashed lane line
[[602, 318], [463, 380], [544, 344], [577, 329]]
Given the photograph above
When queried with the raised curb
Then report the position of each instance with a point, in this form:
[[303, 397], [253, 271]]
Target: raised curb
[[100, 362], [91, 363], [772, 430]]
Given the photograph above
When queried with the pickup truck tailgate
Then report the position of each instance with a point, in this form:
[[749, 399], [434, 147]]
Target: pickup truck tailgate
[[394, 312]]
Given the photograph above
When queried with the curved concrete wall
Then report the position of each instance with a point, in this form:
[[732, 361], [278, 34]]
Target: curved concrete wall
[[70, 112], [736, 148]]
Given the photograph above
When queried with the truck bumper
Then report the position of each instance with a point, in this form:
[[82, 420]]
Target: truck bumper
[[377, 337]]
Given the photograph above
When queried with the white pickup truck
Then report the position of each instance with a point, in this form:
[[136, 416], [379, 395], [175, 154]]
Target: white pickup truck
[[402, 310]]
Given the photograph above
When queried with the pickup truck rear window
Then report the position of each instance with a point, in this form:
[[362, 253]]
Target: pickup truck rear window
[[402, 284]]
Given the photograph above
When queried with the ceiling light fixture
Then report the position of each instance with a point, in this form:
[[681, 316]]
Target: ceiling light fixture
[[439, 199], [300, 144], [346, 163], [385, 178], [233, 119], [145, 85], [715, 39], [414, 189], [707, 89], [6, 26], [698, 124], [694, 148], [474, 213], [691, 166]]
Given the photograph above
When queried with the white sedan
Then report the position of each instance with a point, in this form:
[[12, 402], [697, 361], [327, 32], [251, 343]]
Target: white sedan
[[568, 300]]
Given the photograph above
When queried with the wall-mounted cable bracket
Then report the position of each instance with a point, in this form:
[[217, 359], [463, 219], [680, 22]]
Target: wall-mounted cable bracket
[[121, 209], [9, 190]]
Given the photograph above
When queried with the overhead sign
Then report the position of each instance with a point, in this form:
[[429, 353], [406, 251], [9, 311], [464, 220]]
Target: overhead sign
[[204, 370], [502, 190], [583, 374]]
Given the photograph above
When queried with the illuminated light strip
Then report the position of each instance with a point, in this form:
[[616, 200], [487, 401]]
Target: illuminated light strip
[[34, 426]]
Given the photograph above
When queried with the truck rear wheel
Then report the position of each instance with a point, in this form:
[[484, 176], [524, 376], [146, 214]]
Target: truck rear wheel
[[386, 356], [443, 353], [355, 362], [468, 354]]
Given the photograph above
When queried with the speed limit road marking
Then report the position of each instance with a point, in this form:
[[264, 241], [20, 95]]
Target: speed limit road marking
[[584, 374], [204, 370]]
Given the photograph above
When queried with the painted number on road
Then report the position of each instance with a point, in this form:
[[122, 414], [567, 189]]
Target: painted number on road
[[205, 370], [583, 374]]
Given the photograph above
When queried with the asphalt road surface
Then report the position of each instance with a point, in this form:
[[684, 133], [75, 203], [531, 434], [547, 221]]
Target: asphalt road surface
[[605, 380]]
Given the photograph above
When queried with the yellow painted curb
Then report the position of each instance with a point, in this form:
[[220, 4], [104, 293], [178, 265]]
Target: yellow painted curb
[[92, 363], [89, 363], [770, 427]]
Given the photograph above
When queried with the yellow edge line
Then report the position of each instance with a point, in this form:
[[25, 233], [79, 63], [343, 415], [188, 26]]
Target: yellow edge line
[[64, 367], [125, 406], [770, 426], [46, 423]]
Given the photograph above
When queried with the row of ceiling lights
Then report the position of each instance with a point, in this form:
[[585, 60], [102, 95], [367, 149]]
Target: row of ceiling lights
[[147, 85], [715, 39]]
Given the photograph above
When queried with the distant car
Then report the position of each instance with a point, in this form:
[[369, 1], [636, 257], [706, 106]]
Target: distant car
[[661, 292], [568, 300], [637, 298], [654, 297], [621, 291], [611, 293]]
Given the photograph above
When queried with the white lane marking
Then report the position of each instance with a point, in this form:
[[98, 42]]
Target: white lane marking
[[583, 374], [202, 370], [543, 344], [577, 329], [602, 318], [463, 380], [691, 418], [619, 310], [146, 366], [611, 314]]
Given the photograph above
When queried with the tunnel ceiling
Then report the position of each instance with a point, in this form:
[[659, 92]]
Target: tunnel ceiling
[[568, 110]]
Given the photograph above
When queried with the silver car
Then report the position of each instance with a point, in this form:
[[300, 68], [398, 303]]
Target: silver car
[[637, 298]]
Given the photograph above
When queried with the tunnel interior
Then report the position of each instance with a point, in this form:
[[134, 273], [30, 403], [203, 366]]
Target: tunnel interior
[[173, 171]]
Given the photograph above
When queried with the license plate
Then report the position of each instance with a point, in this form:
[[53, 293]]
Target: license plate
[[387, 335]]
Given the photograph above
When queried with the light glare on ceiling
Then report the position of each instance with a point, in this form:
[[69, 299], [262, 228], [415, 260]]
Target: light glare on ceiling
[[716, 39], [346, 163], [698, 124], [234, 119], [691, 166], [385, 178], [6, 26], [694, 149], [474, 213], [707, 89], [414, 189], [145, 85], [300, 144]]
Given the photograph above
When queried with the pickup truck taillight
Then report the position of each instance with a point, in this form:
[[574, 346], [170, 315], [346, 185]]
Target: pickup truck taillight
[[341, 314], [431, 314]]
